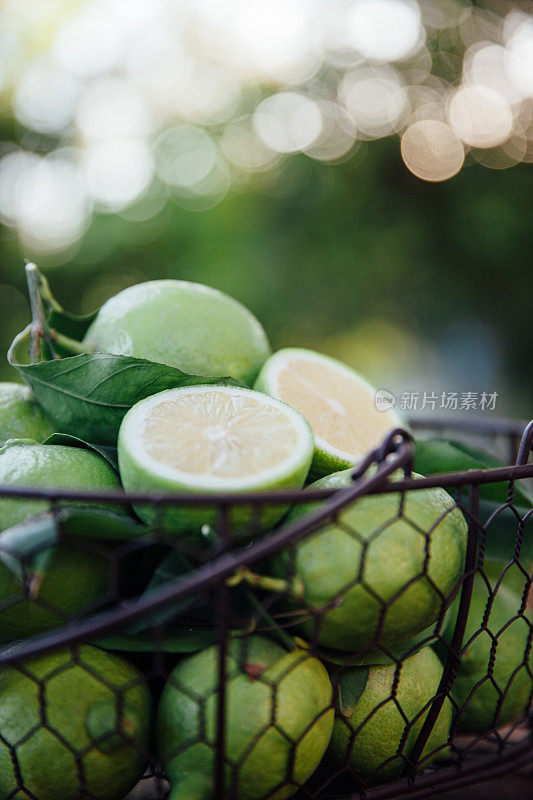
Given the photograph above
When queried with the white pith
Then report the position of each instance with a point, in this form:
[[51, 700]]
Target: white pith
[[223, 433], [281, 361]]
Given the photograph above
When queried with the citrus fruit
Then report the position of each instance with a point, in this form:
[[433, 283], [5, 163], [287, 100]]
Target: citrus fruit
[[73, 724], [338, 404], [380, 572], [187, 325], [26, 463], [20, 414], [377, 723], [491, 694], [278, 720], [51, 587], [212, 439]]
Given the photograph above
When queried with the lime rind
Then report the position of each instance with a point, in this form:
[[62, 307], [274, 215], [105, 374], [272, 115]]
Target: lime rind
[[372, 556], [193, 327], [20, 414], [131, 442], [279, 718], [142, 472], [327, 457], [377, 737], [52, 755]]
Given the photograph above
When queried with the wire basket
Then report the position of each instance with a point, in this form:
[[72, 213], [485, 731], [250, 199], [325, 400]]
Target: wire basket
[[167, 596]]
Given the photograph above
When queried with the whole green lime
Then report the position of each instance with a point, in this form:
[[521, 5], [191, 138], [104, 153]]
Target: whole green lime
[[278, 721], [380, 572], [380, 712], [58, 583], [73, 724], [494, 681], [20, 415], [26, 463], [187, 325]]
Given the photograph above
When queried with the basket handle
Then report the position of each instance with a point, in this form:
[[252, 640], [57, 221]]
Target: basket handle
[[526, 444]]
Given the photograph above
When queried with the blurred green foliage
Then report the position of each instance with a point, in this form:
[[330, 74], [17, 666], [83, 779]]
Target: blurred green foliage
[[323, 253]]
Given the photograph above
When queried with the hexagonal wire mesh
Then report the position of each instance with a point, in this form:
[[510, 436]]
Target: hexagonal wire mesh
[[405, 598]]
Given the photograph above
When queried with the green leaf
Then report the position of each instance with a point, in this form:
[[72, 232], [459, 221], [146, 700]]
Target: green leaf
[[171, 569], [98, 523], [186, 641], [250, 606], [502, 532], [67, 440], [88, 395], [436, 456], [27, 548], [352, 684]]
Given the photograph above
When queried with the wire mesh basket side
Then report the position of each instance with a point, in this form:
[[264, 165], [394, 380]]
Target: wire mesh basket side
[[209, 602]]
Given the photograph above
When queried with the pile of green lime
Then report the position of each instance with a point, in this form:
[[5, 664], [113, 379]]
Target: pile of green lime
[[171, 388], [95, 733]]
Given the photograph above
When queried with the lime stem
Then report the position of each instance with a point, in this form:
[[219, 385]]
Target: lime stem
[[72, 345], [286, 640], [39, 329], [266, 582], [40, 298], [46, 293]]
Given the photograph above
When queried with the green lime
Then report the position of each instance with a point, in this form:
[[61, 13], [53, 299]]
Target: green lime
[[494, 681], [380, 712], [339, 405], [213, 439], [20, 415], [72, 724], [277, 726], [378, 574], [187, 325], [58, 583], [390, 654], [26, 463]]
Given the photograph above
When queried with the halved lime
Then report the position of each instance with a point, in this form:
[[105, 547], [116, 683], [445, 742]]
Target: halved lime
[[338, 403], [205, 439]]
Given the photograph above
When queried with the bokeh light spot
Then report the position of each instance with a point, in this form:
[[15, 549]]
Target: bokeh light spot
[[480, 116], [184, 156], [117, 172], [431, 150], [384, 30], [288, 122], [112, 108], [88, 43], [375, 98], [53, 206], [242, 147], [45, 98]]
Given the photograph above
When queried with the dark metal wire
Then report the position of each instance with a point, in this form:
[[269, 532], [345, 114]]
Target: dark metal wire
[[207, 575], [370, 478]]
